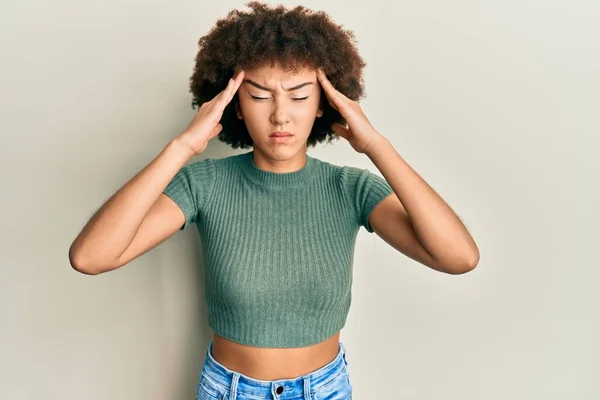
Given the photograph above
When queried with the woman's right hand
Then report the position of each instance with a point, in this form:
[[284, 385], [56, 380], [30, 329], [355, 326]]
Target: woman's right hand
[[205, 125]]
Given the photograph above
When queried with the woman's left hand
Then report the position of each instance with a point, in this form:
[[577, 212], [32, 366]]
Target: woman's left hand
[[359, 132]]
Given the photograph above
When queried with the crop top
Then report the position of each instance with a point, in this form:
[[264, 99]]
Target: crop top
[[278, 248]]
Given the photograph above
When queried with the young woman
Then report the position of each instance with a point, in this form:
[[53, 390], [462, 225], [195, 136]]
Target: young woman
[[278, 227]]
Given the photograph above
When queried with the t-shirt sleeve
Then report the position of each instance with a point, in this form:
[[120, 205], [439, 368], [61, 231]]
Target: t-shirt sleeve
[[364, 190], [191, 188]]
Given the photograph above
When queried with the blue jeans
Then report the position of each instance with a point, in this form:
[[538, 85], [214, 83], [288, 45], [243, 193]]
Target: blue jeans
[[330, 382]]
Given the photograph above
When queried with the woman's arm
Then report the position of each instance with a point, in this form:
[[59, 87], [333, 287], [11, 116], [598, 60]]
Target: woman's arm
[[136, 211], [417, 220], [139, 217]]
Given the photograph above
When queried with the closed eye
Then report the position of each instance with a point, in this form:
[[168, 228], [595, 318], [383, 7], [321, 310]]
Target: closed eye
[[266, 98]]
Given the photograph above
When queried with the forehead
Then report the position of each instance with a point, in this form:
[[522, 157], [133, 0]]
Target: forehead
[[276, 72]]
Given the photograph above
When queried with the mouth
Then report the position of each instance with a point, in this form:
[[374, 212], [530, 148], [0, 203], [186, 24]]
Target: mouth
[[280, 137]]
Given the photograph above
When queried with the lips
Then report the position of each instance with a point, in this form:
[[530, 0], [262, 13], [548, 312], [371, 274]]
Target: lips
[[280, 134]]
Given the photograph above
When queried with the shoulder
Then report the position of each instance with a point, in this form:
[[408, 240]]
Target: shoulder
[[346, 177], [212, 164], [337, 170]]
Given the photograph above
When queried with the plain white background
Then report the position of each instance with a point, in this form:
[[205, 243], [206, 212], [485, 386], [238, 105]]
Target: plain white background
[[494, 104]]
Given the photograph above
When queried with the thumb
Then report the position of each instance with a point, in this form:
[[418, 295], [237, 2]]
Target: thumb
[[215, 131], [340, 130]]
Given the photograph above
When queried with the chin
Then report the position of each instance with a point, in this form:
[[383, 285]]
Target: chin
[[280, 151]]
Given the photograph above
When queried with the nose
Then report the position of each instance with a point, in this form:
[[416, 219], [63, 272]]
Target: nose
[[279, 115]]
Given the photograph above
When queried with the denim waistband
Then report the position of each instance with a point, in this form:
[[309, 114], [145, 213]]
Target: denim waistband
[[304, 385]]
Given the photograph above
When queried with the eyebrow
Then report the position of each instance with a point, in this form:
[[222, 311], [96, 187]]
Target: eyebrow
[[270, 90]]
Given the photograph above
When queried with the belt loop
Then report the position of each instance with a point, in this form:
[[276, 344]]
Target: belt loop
[[307, 395], [234, 386]]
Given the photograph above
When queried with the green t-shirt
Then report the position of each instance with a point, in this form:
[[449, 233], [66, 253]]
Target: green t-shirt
[[278, 248]]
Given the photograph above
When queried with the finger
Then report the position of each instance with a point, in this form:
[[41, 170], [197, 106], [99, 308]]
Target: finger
[[224, 95], [239, 78], [239, 75], [237, 82], [215, 131], [340, 130], [325, 82], [332, 104], [219, 95], [331, 92], [216, 99], [232, 87], [332, 88]]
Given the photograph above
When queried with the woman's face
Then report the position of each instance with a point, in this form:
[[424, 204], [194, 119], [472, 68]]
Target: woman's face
[[271, 100]]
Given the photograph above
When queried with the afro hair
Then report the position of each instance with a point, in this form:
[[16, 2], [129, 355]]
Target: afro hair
[[294, 39]]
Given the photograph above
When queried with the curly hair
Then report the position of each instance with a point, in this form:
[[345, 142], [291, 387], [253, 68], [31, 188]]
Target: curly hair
[[294, 39]]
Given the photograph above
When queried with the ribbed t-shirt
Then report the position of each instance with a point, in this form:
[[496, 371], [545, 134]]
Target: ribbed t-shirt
[[278, 248]]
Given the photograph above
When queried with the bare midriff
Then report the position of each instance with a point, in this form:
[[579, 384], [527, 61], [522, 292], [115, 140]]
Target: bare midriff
[[267, 364]]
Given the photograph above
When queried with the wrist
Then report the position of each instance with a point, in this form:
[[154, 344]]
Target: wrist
[[376, 145], [180, 148]]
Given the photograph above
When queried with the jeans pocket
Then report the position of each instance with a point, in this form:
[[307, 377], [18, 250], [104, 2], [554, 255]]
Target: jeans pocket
[[348, 380], [203, 394], [338, 389], [208, 389]]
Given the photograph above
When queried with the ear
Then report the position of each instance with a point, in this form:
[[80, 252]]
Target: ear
[[238, 110], [320, 110]]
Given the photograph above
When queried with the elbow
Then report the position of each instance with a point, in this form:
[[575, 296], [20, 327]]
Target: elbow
[[78, 264], [81, 264], [461, 269], [464, 266]]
